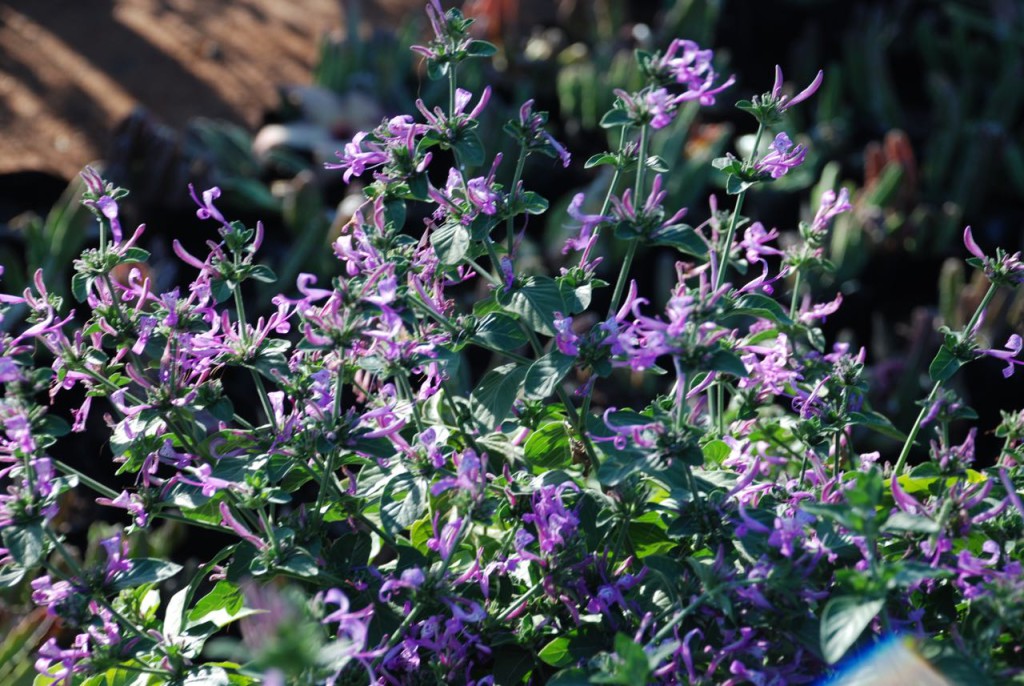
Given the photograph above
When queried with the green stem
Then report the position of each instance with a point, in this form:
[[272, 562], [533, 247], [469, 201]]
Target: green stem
[[912, 435], [837, 460], [515, 605], [405, 390], [105, 491], [510, 236], [487, 276], [641, 165], [243, 333], [269, 529], [325, 478], [726, 248], [620, 284], [611, 189], [794, 300], [638, 189]]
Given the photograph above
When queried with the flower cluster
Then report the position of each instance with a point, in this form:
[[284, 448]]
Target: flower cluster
[[440, 464]]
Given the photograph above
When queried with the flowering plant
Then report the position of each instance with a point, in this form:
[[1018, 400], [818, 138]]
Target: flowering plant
[[394, 512]]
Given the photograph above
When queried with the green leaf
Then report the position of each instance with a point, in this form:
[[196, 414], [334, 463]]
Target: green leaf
[[469, 148], [757, 305], [206, 675], [536, 302], [221, 606], [843, 621], [600, 159], [548, 447], [492, 400], [402, 502], [878, 423], [134, 255], [25, 543], [451, 242], [481, 48], [301, 564], [546, 374], [716, 451], [534, 203], [146, 570], [903, 521], [681, 237], [576, 297], [631, 667], [945, 365], [735, 185], [616, 117], [175, 612], [80, 286], [727, 361], [556, 653], [262, 273], [656, 163], [501, 332]]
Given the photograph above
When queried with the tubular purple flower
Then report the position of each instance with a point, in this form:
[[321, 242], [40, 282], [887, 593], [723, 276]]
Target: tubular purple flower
[[128, 501], [972, 246], [228, 519], [661, 106], [507, 272], [1011, 491], [207, 210], [755, 242], [587, 224], [832, 205], [782, 102], [782, 157], [355, 160], [690, 66], [1013, 347], [116, 563], [903, 500], [566, 339]]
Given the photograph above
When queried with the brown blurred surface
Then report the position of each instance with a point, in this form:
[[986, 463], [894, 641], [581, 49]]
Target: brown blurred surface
[[70, 70]]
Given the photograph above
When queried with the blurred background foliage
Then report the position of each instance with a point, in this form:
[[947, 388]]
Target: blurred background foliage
[[920, 117]]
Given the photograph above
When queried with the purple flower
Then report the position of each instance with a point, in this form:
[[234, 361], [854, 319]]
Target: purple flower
[[117, 563], [565, 338], [1013, 347], [129, 501], [782, 157], [50, 595], [470, 476], [443, 541], [531, 126], [483, 197], [688, 65], [783, 102], [99, 197], [555, 524], [1003, 268], [832, 205], [411, 578], [587, 224], [661, 106], [755, 242], [207, 210], [355, 160]]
